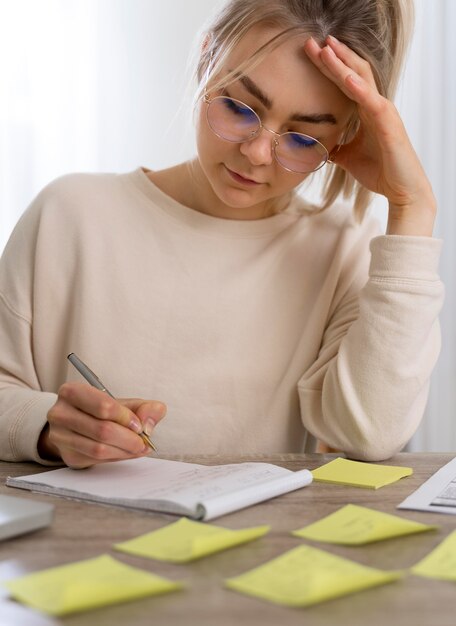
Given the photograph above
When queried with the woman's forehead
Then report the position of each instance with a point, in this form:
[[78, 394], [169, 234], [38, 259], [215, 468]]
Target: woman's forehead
[[261, 34], [286, 74]]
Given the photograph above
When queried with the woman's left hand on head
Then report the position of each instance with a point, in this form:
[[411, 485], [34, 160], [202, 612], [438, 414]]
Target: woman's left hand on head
[[380, 156]]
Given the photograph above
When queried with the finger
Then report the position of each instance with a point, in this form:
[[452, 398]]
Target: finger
[[150, 412], [356, 87], [69, 418], [313, 51], [352, 60], [75, 460], [326, 60], [98, 404], [374, 109], [337, 71], [73, 444]]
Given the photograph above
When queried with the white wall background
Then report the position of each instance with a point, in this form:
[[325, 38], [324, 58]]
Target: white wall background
[[92, 85], [103, 85]]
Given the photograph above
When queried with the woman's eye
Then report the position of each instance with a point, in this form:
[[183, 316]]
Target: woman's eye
[[238, 108], [300, 140]]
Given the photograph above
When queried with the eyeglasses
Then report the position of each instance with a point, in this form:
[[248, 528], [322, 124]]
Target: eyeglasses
[[234, 121]]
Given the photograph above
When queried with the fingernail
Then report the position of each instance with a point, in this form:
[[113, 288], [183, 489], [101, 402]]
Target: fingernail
[[333, 39], [313, 41], [135, 425], [149, 426]]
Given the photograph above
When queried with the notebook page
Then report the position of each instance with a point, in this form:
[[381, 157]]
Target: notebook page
[[253, 493], [140, 482]]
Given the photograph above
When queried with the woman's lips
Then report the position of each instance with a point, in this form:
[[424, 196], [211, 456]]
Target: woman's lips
[[242, 179]]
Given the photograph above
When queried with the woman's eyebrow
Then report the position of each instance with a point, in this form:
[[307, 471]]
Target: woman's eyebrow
[[310, 118]]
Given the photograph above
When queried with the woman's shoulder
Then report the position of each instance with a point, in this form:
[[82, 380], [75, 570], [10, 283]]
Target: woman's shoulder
[[72, 203], [81, 194], [68, 187]]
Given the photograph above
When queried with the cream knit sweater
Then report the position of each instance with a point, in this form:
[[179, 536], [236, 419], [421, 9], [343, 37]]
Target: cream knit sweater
[[259, 335]]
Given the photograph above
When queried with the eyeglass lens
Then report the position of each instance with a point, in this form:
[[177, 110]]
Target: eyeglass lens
[[234, 121]]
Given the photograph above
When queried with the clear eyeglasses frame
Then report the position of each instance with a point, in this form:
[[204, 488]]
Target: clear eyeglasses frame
[[234, 121]]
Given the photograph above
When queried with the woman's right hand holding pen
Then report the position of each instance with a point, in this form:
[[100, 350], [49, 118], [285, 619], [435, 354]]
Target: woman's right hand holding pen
[[86, 426]]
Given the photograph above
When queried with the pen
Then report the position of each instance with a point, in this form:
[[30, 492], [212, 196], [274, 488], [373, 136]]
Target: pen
[[93, 379]]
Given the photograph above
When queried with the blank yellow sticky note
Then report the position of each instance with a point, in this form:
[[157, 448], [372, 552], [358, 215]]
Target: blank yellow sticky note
[[86, 585], [306, 575], [441, 562], [358, 474], [355, 525], [187, 540]]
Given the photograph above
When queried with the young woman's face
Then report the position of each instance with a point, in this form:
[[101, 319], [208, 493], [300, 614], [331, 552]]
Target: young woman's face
[[244, 180]]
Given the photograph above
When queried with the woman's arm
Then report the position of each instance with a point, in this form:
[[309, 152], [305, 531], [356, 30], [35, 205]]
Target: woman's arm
[[49, 422], [367, 391]]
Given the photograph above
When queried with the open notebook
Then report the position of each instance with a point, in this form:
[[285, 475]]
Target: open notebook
[[197, 491], [437, 494]]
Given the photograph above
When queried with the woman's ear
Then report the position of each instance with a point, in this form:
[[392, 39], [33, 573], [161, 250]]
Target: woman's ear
[[205, 44], [206, 55]]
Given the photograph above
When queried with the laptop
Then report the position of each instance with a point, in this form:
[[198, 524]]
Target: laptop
[[21, 515], [437, 494]]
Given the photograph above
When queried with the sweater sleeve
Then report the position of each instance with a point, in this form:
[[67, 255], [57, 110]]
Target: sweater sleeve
[[367, 391], [23, 404], [23, 407]]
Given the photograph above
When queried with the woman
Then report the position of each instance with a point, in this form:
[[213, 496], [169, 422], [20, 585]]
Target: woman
[[258, 322]]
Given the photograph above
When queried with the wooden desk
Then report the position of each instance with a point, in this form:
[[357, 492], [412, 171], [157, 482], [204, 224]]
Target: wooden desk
[[82, 531]]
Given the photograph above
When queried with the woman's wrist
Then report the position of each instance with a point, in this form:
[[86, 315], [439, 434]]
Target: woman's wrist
[[416, 219]]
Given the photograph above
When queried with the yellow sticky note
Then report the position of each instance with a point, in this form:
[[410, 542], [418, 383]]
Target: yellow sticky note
[[354, 525], [306, 575], [86, 585], [358, 474], [187, 540], [441, 562]]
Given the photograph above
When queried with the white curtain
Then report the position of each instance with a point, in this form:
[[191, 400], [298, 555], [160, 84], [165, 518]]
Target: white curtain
[[102, 85], [48, 89], [429, 107], [92, 85]]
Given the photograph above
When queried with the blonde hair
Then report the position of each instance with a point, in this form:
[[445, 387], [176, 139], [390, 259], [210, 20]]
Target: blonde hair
[[377, 30]]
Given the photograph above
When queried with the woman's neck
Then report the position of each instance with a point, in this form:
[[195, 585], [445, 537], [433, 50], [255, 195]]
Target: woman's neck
[[187, 184]]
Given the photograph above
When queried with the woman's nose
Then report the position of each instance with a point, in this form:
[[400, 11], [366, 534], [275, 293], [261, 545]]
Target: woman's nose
[[259, 149]]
